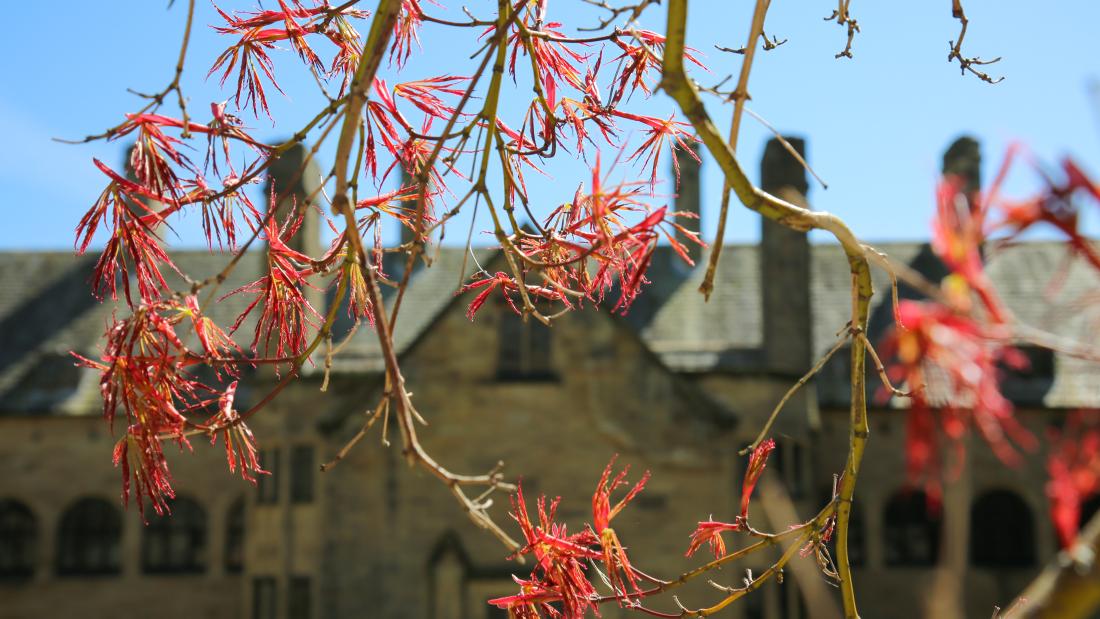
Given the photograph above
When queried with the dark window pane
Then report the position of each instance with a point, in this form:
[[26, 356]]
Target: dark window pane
[[789, 460], [234, 538], [176, 541], [18, 539], [88, 538], [510, 358], [1089, 509], [754, 605], [263, 598], [791, 603], [524, 348], [298, 605], [1002, 533], [302, 474], [912, 532], [267, 485]]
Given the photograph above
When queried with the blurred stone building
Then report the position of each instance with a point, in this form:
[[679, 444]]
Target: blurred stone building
[[677, 386]]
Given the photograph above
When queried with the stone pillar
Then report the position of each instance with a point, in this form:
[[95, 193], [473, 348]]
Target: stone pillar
[[785, 268], [689, 199]]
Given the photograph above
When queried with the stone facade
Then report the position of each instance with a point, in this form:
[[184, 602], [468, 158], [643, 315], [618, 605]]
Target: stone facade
[[676, 387]]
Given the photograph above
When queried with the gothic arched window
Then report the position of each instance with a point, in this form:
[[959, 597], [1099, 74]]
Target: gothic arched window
[[175, 542], [88, 538], [912, 530], [18, 540], [234, 537], [1002, 531]]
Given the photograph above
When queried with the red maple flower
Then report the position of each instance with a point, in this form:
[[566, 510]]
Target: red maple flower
[[639, 60], [143, 374], [133, 245], [554, 60], [251, 52], [215, 342], [1056, 206], [590, 109], [406, 31], [145, 474], [535, 597], [659, 133], [508, 287], [757, 460], [285, 312], [424, 94], [958, 233], [240, 445], [257, 37], [155, 155], [951, 366], [226, 128], [710, 532], [558, 576], [382, 115], [1073, 466], [617, 565]]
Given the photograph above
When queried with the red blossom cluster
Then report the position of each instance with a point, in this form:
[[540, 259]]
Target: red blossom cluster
[[259, 33], [285, 314], [560, 585], [426, 127], [1057, 205], [952, 366], [595, 227], [149, 374], [1073, 465], [710, 531], [952, 353]]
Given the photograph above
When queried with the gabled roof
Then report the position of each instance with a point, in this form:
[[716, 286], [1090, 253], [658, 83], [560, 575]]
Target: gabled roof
[[431, 290], [46, 310], [1036, 281]]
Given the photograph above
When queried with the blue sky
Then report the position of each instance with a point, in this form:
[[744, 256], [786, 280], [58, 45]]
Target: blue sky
[[876, 125]]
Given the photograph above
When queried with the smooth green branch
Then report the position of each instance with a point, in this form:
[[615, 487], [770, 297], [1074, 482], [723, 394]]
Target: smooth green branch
[[677, 85]]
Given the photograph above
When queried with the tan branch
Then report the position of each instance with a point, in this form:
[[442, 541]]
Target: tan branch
[[677, 85]]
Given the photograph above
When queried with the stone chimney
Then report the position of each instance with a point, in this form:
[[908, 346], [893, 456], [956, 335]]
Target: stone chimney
[[785, 267], [964, 160], [689, 199], [146, 205], [295, 177]]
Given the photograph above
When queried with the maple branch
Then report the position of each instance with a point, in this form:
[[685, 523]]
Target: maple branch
[[968, 64], [740, 95], [842, 18], [1069, 586], [790, 393], [676, 84], [380, 33], [157, 99]]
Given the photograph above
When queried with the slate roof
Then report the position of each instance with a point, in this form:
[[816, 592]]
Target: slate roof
[[46, 310], [725, 335]]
